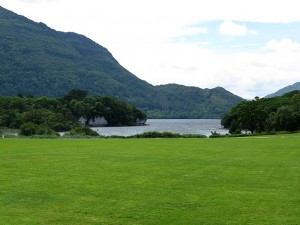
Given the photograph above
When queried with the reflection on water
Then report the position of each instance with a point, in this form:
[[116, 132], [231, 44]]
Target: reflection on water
[[182, 126]]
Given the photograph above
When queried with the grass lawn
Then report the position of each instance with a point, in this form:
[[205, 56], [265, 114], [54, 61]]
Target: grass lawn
[[150, 181]]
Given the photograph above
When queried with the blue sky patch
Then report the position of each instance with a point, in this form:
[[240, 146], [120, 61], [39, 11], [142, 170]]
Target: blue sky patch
[[238, 36]]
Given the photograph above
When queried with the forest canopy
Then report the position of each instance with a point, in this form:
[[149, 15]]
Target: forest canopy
[[47, 115], [265, 115]]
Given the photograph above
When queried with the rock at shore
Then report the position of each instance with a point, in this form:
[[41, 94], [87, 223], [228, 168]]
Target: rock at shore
[[102, 122]]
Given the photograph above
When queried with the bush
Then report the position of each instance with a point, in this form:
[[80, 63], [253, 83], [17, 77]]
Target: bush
[[215, 134], [193, 136], [84, 131], [155, 134], [30, 129], [61, 127]]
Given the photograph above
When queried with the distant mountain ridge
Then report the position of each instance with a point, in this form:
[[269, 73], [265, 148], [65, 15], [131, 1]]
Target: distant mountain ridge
[[37, 60], [282, 91]]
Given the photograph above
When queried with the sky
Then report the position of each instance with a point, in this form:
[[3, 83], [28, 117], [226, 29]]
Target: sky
[[249, 47]]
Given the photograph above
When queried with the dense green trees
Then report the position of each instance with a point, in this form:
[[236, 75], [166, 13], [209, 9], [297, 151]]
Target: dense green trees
[[266, 114], [43, 115]]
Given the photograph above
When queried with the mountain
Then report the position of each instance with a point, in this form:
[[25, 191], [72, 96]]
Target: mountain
[[37, 60], [191, 102], [282, 91]]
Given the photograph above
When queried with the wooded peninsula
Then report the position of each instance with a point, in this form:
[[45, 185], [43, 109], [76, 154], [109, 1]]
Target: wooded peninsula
[[46, 116], [265, 115]]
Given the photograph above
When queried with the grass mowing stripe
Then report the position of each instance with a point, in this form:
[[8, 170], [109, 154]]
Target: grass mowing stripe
[[150, 181]]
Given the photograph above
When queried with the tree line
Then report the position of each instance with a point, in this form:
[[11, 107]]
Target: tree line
[[265, 115], [44, 115]]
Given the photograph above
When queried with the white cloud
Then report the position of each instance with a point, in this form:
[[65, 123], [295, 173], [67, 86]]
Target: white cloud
[[194, 30], [245, 74], [233, 29], [38, 1], [284, 45], [137, 34]]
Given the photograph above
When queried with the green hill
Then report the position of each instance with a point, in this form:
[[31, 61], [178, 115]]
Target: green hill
[[191, 102], [37, 60], [282, 91]]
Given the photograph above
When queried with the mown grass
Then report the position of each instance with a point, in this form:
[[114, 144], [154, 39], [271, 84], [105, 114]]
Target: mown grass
[[150, 181]]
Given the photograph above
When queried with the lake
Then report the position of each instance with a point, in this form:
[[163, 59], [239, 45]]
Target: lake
[[181, 126]]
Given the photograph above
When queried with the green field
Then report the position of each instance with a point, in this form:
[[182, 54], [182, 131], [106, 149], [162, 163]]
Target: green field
[[150, 181]]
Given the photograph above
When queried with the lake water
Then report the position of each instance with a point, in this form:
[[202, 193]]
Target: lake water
[[181, 126]]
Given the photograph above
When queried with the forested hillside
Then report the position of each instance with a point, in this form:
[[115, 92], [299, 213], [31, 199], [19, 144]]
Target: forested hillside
[[282, 91], [39, 61], [266, 114], [190, 102]]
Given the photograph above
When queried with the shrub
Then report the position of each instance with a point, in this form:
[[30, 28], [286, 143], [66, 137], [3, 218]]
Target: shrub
[[193, 136], [61, 126], [84, 131], [215, 134], [30, 129], [156, 134]]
